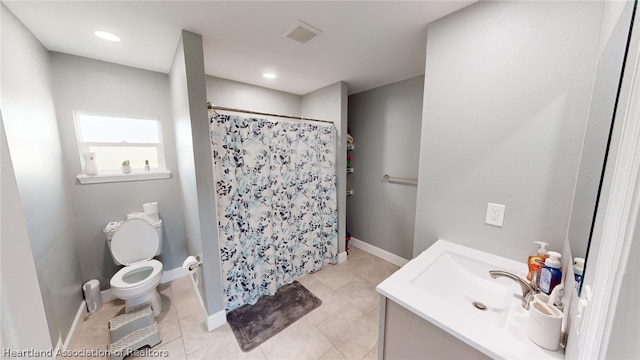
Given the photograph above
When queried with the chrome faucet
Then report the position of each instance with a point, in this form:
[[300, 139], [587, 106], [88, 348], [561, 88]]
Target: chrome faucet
[[528, 289]]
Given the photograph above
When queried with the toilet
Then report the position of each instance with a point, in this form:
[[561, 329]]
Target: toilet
[[134, 244]]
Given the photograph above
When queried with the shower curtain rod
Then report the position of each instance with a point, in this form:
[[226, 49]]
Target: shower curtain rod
[[214, 107]]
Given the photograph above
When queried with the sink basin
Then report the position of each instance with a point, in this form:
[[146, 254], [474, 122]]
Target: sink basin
[[446, 284], [463, 285]]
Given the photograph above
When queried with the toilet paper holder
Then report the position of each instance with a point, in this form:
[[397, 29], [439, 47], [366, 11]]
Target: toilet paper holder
[[191, 263], [196, 265]]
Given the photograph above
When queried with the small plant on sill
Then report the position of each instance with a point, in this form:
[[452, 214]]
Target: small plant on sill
[[126, 167]]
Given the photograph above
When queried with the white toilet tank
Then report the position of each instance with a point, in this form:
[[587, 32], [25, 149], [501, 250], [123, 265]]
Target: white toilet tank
[[157, 224]]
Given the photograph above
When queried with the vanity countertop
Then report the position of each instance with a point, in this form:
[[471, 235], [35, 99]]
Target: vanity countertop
[[499, 332]]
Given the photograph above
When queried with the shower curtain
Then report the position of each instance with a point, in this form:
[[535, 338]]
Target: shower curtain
[[277, 208]]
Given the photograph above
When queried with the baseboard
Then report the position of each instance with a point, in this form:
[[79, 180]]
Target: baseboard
[[216, 320], [342, 257], [173, 274], [73, 331], [376, 251]]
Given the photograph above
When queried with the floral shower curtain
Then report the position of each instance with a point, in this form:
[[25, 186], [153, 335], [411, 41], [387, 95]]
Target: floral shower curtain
[[277, 208]]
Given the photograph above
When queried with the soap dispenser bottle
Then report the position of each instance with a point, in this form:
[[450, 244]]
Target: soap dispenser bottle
[[536, 261], [550, 275]]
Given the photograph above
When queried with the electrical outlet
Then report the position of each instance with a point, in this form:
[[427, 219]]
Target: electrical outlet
[[495, 214]]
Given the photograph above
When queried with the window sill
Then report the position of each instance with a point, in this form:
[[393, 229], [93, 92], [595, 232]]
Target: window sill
[[120, 177]]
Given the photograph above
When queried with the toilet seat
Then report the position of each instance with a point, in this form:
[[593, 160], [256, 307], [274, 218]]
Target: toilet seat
[[134, 241], [136, 278]]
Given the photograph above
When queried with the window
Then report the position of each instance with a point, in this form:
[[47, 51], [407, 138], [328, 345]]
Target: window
[[115, 139]]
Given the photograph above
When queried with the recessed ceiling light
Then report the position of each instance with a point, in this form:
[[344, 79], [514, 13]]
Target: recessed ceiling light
[[269, 75], [106, 36]]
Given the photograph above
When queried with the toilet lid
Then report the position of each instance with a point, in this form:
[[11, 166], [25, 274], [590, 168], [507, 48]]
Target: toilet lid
[[135, 240]]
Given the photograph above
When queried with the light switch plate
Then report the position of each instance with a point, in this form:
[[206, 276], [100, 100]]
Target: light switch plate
[[495, 214]]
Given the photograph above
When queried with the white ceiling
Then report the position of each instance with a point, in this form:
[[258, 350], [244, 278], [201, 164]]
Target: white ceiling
[[364, 43]]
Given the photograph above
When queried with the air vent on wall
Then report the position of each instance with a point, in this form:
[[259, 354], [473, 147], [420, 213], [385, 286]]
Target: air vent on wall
[[301, 33]]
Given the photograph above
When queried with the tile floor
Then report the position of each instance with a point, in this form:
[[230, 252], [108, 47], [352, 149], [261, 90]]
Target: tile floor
[[345, 326]]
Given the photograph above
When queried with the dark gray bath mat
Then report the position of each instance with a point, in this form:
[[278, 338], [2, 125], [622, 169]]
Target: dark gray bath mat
[[254, 324]]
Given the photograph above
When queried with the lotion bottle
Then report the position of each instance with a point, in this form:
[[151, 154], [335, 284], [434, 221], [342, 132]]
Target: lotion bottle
[[535, 262], [550, 275]]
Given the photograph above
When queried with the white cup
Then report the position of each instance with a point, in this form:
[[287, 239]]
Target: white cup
[[545, 323]]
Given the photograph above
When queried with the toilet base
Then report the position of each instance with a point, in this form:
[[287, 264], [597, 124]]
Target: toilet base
[[151, 298]]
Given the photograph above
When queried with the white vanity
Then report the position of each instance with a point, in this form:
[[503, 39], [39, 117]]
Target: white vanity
[[443, 304]]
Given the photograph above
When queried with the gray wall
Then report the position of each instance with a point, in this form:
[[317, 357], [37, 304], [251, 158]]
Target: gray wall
[[504, 116], [385, 123], [330, 103], [188, 99], [21, 297], [184, 150], [31, 127], [229, 93], [82, 84]]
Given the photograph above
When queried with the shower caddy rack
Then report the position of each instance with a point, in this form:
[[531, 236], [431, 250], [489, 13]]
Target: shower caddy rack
[[350, 169]]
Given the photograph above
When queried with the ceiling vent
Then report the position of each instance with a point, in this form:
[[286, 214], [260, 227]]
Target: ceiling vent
[[301, 33]]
